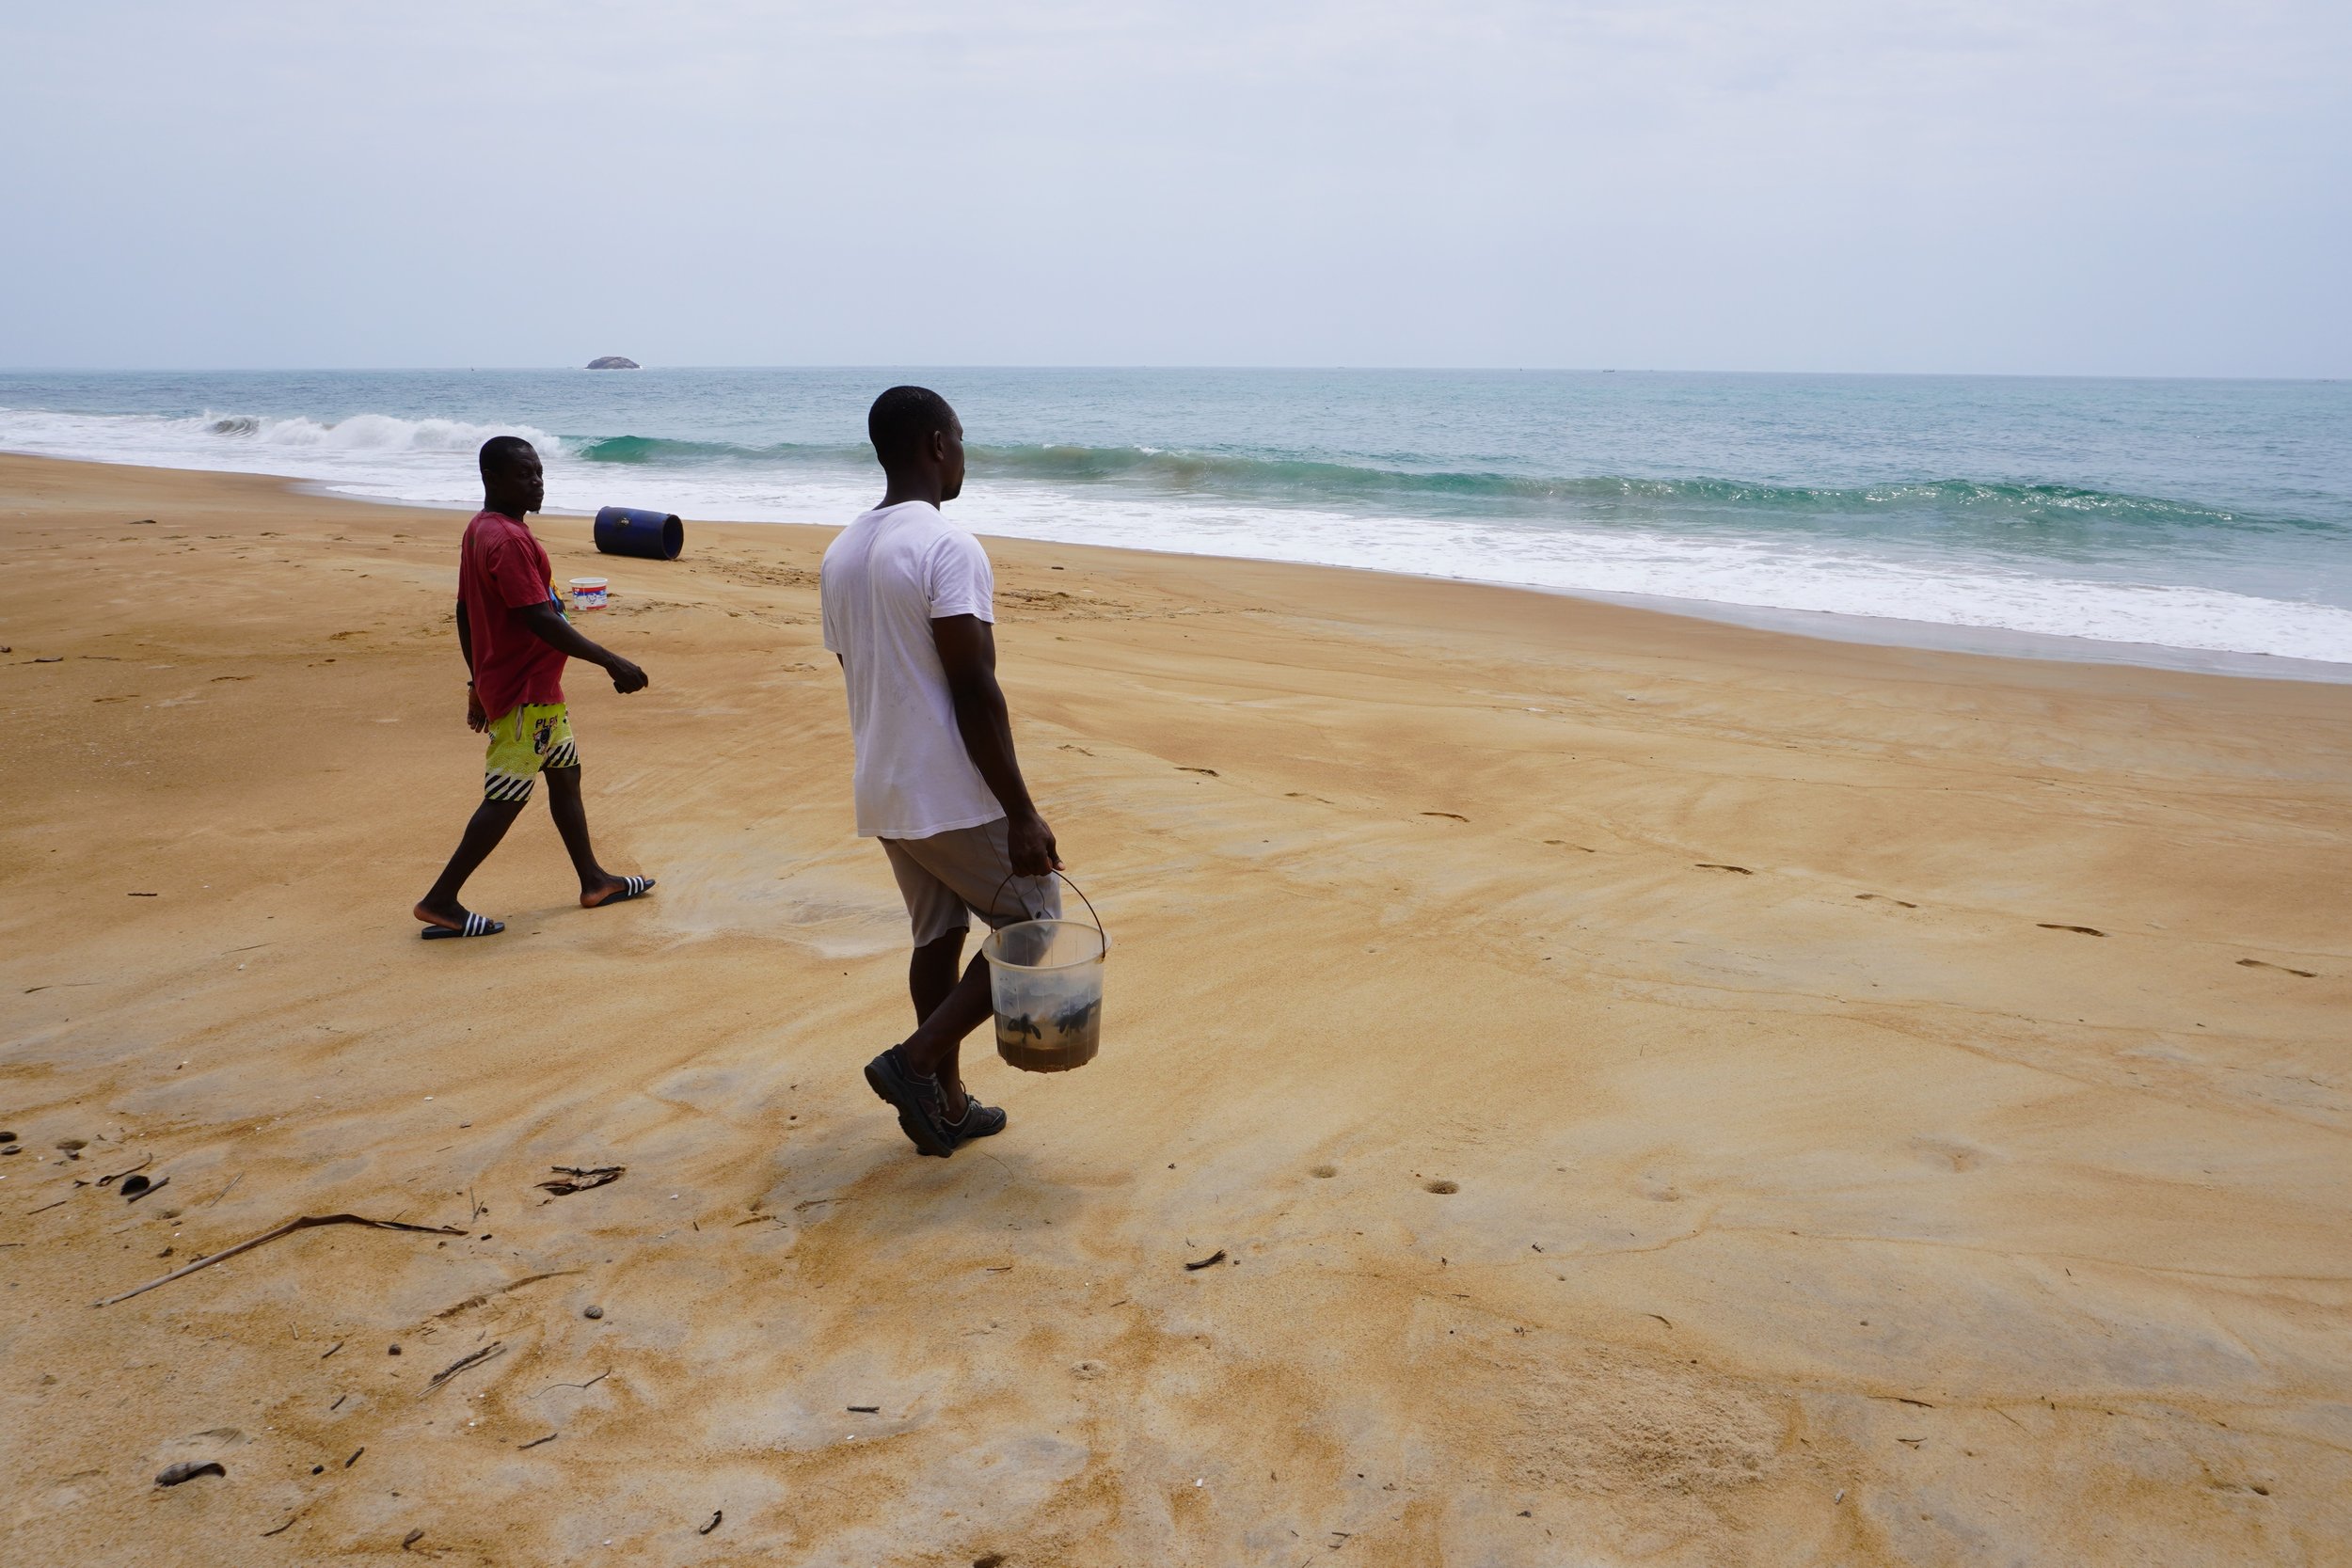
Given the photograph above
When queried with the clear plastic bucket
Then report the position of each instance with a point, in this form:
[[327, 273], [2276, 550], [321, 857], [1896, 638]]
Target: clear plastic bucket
[[1045, 978]]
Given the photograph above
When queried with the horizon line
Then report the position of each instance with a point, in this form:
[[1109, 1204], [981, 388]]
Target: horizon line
[[1271, 369]]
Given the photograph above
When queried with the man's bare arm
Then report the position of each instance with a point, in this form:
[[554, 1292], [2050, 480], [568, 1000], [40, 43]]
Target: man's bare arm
[[544, 622], [475, 718], [968, 650]]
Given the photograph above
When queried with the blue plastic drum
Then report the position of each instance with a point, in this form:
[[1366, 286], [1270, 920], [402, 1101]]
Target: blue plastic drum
[[650, 535]]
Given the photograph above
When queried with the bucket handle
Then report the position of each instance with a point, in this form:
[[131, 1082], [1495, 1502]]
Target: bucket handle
[[1073, 887]]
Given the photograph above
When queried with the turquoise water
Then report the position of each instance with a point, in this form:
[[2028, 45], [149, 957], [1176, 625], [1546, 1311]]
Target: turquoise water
[[2184, 515]]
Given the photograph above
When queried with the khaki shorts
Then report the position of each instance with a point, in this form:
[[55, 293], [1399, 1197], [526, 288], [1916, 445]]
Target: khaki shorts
[[949, 876]]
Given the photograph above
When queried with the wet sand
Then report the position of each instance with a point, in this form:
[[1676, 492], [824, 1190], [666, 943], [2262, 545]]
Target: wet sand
[[1664, 1092]]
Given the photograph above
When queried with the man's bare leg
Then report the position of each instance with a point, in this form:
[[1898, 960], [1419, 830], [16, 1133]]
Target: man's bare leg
[[488, 826], [570, 812], [948, 1009], [931, 972]]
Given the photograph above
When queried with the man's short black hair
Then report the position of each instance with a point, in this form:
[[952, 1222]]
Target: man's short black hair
[[501, 452], [902, 419]]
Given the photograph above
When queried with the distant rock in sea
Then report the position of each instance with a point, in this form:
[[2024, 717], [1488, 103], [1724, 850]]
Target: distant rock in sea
[[613, 362]]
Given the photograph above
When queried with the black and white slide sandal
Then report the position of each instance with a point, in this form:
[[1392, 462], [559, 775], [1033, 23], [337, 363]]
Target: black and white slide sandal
[[476, 926], [631, 887]]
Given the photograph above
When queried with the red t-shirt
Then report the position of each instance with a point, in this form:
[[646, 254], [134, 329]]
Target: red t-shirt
[[502, 567]]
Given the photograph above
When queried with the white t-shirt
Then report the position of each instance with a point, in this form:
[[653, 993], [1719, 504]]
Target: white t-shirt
[[890, 575]]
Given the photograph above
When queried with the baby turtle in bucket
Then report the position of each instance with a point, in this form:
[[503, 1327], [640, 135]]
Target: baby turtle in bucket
[[1069, 1038]]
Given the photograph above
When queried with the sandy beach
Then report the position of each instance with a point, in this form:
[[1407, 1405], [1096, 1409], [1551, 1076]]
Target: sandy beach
[[1664, 1092]]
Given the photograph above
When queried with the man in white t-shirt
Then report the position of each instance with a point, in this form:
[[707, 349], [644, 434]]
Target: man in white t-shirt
[[909, 611]]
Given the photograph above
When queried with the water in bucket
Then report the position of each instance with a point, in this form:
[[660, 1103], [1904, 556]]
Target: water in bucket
[[1046, 980]]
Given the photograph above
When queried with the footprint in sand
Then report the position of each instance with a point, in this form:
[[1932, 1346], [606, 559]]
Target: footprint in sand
[[1883, 899], [1566, 845], [1450, 816], [1443, 1189], [1718, 866], [1210, 771], [2257, 963], [1947, 1154], [1326, 1172], [2083, 930]]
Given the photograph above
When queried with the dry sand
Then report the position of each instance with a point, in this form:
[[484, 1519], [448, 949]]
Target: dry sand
[[1666, 1093]]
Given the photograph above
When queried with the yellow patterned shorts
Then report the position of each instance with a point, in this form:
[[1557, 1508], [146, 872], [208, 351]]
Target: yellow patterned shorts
[[523, 744]]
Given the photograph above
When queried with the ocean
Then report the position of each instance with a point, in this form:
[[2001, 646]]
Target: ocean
[[2206, 523]]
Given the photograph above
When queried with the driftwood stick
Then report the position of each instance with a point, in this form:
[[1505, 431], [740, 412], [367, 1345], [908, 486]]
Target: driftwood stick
[[110, 1180], [305, 1222], [496, 1347], [589, 1384], [576, 1178]]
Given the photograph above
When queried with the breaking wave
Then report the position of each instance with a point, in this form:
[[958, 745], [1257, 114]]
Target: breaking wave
[[365, 433], [1301, 481]]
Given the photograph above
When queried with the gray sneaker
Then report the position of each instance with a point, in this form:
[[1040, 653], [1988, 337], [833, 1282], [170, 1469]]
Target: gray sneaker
[[915, 1098], [979, 1121]]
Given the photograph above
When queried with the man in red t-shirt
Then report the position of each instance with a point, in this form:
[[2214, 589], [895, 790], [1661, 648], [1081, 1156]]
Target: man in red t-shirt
[[512, 630]]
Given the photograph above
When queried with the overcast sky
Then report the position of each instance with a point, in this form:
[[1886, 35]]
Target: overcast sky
[[2093, 186]]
